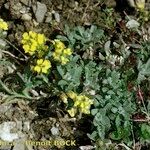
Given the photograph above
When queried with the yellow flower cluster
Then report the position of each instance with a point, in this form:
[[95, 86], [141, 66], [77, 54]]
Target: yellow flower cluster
[[3, 25], [81, 103], [42, 66], [140, 4], [61, 52], [34, 43]]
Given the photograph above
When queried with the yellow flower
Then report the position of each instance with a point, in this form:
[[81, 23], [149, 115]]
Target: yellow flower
[[33, 47], [58, 44], [56, 56], [85, 110], [77, 103], [63, 60], [67, 51], [63, 97], [61, 52], [32, 34], [25, 36], [140, 4], [41, 39], [26, 48], [72, 95], [42, 66], [83, 103], [3, 25], [58, 51], [35, 42], [72, 112]]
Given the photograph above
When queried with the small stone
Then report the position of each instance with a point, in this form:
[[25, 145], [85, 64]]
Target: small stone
[[25, 2], [35, 23], [23, 10], [39, 10], [49, 17], [54, 131], [5, 133], [26, 126], [6, 5], [57, 16], [26, 17], [132, 24], [17, 7], [19, 146]]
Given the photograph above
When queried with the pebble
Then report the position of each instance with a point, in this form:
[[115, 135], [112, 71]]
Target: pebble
[[39, 10], [56, 15], [6, 5], [55, 131], [25, 2], [132, 24], [49, 17], [26, 17]]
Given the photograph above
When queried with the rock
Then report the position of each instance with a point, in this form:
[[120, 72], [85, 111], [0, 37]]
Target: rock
[[55, 131], [6, 5], [26, 126], [26, 17], [24, 10], [19, 146], [39, 11], [49, 17], [132, 24], [35, 23], [5, 133], [87, 147], [25, 2], [56, 15]]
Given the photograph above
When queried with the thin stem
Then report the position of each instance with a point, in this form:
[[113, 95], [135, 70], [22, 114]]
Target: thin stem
[[15, 48], [5, 87], [10, 54], [141, 97]]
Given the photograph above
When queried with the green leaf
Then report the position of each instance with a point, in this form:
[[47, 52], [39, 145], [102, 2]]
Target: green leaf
[[60, 70], [62, 83], [145, 130], [93, 135], [94, 111], [118, 121]]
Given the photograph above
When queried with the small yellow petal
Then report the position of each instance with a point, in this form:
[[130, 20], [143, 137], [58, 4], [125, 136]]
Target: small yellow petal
[[72, 112], [44, 70], [32, 34], [33, 48], [64, 60], [37, 69], [3, 25], [67, 51], [72, 95], [41, 38], [56, 56], [63, 97], [47, 63], [58, 51], [26, 47], [58, 44], [140, 4], [39, 61], [25, 36]]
